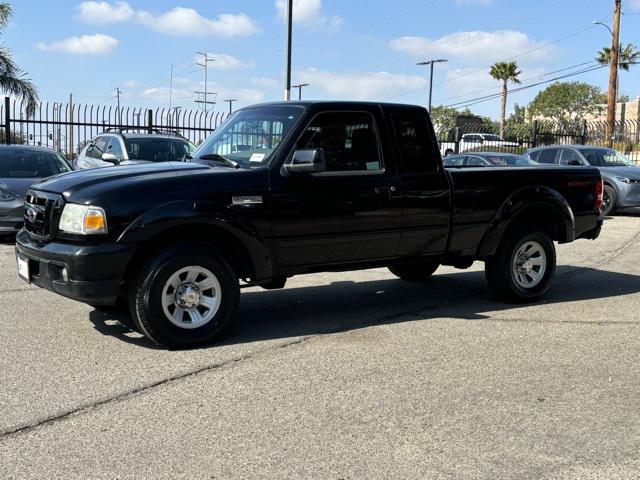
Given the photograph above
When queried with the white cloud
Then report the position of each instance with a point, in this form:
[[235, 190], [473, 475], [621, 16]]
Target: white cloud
[[179, 21], [222, 61], [485, 47], [98, 44], [308, 13], [104, 12], [362, 85]]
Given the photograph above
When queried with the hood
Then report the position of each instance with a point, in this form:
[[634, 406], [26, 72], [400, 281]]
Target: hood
[[82, 185], [17, 186], [630, 172]]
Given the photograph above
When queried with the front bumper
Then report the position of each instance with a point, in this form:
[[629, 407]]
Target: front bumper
[[11, 216], [628, 194], [93, 272]]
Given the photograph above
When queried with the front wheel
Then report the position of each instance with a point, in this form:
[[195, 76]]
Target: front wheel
[[185, 296], [522, 269], [609, 199], [415, 272]]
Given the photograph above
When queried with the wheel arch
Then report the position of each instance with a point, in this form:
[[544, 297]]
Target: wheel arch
[[538, 205]]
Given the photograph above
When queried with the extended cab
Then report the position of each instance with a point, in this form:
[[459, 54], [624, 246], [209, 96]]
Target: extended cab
[[290, 188]]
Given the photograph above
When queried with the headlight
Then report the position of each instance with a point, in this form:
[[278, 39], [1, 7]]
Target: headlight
[[83, 219], [7, 196], [628, 180]]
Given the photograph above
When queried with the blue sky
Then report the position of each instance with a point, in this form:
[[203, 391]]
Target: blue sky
[[356, 49]]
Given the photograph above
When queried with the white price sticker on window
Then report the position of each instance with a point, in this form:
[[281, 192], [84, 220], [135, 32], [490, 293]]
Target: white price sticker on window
[[257, 157]]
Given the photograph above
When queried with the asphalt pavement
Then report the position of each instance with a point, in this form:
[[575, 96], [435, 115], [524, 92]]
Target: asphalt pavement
[[352, 375]]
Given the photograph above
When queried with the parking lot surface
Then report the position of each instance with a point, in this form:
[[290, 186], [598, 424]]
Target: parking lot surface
[[339, 376]]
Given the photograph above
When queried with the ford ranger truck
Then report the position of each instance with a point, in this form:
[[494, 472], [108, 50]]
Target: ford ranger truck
[[284, 189]]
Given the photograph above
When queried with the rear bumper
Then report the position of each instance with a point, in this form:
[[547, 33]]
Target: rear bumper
[[583, 230], [93, 272]]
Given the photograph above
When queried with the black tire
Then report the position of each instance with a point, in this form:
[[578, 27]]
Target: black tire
[[609, 200], [146, 291], [415, 272], [499, 269]]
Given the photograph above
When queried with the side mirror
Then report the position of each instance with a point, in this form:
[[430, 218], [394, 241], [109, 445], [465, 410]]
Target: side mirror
[[306, 161], [110, 157]]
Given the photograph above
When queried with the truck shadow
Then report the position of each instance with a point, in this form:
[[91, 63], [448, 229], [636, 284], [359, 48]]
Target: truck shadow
[[343, 306]]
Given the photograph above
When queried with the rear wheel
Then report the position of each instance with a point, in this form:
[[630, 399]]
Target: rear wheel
[[184, 297], [415, 272], [609, 200], [522, 269]]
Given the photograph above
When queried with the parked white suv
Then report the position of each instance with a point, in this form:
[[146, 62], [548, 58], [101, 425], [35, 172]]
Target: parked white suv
[[121, 148], [471, 141]]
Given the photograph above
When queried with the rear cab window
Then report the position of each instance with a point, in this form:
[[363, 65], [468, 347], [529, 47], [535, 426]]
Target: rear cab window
[[414, 143]]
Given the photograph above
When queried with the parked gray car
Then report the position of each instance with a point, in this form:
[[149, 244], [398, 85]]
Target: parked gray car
[[129, 148], [21, 166], [487, 159], [621, 176]]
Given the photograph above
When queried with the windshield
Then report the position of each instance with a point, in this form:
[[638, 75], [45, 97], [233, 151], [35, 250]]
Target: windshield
[[23, 163], [155, 149], [606, 157], [250, 136], [510, 160]]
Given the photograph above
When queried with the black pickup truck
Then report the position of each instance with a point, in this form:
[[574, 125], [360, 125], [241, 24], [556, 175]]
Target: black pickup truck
[[290, 188]]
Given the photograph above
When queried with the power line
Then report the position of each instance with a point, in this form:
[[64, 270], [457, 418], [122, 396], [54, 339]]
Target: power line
[[486, 98]]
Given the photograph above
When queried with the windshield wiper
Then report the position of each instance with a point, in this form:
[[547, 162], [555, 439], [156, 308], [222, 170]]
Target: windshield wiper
[[214, 157]]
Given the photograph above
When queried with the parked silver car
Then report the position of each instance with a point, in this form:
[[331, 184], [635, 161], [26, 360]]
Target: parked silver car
[[621, 176], [20, 166], [488, 159], [124, 148]]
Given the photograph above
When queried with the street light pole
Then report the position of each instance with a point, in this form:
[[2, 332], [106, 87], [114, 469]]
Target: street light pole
[[299, 87], [430, 63], [287, 89]]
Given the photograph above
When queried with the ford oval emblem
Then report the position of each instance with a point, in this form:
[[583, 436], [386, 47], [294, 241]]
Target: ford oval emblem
[[31, 214]]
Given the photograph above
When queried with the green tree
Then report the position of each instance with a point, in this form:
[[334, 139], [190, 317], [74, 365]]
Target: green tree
[[13, 79], [445, 119], [505, 72], [628, 55], [568, 102]]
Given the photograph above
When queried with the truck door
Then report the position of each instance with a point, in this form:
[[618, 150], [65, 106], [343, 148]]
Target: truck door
[[425, 184], [350, 212]]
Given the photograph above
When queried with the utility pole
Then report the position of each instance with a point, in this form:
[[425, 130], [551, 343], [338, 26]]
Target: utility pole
[[230, 101], [430, 63], [300, 87], [287, 88], [205, 65], [613, 72], [119, 115]]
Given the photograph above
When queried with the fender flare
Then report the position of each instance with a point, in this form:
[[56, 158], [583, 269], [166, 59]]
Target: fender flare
[[529, 197], [189, 213]]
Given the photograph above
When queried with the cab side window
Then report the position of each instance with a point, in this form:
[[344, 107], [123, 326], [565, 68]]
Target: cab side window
[[115, 148], [415, 147], [97, 147], [349, 141]]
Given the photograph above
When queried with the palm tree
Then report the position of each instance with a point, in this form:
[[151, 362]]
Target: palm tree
[[629, 55], [12, 78], [505, 72]]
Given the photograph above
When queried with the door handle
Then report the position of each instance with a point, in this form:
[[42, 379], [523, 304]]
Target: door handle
[[384, 190]]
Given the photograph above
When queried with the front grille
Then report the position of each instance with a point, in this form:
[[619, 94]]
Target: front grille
[[41, 213]]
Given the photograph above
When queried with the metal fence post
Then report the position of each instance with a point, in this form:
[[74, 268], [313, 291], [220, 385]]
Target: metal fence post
[[584, 132], [7, 120], [150, 120], [534, 134], [456, 139]]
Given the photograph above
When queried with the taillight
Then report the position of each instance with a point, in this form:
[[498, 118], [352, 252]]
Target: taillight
[[597, 194]]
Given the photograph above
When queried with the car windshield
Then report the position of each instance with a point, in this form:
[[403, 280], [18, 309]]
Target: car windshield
[[605, 157], [23, 163], [158, 149], [509, 160], [250, 136]]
